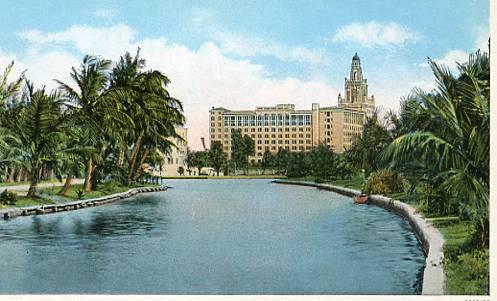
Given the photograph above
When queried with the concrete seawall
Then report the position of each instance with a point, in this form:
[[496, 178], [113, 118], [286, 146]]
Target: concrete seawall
[[75, 205], [430, 238]]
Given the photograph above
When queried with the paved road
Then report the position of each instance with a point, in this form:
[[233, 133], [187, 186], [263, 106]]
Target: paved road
[[25, 187]]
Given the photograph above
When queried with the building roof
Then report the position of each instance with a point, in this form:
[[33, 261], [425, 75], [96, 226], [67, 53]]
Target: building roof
[[356, 57]]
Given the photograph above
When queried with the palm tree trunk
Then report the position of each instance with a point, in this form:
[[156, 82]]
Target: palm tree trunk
[[134, 156], [19, 175], [138, 170], [67, 184], [120, 160], [35, 176], [94, 179], [11, 175], [89, 169]]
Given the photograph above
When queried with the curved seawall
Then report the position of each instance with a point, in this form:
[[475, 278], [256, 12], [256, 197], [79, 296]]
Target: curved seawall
[[431, 239], [75, 205]]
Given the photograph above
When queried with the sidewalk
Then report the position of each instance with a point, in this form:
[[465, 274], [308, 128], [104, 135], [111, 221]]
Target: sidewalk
[[18, 189]]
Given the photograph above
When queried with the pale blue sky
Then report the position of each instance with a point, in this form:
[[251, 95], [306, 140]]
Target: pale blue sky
[[241, 54]]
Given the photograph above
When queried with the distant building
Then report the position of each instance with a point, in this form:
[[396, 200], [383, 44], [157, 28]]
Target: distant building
[[282, 126], [176, 158]]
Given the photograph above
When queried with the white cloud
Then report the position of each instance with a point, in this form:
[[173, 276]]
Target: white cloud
[[104, 13], [206, 21], [452, 57], [107, 42], [373, 34], [201, 78], [481, 40], [254, 46]]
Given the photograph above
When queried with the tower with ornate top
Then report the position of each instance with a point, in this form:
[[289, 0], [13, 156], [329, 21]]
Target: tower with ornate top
[[356, 90]]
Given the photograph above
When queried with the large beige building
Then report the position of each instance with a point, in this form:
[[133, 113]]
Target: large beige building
[[176, 158], [283, 126]]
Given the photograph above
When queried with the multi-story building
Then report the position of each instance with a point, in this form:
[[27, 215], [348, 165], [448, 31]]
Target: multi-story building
[[283, 126], [176, 157]]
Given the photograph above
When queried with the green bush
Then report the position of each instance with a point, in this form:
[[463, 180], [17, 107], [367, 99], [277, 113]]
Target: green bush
[[80, 192], [8, 198], [384, 182], [469, 273]]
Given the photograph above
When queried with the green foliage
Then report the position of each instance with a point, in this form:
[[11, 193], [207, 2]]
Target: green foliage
[[80, 192], [181, 170], [8, 198], [281, 160], [241, 148], [468, 274], [267, 160], [365, 150], [322, 162], [299, 165], [200, 159], [446, 140], [383, 182], [217, 158]]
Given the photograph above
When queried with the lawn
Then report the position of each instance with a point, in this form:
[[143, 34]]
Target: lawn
[[48, 193], [355, 183], [467, 269]]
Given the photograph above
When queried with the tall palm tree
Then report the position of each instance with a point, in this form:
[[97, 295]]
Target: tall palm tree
[[94, 110], [40, 128], [9, 94], [450, 136], [154, 113]]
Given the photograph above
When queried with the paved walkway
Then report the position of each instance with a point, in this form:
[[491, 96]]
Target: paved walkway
[[24, 187]]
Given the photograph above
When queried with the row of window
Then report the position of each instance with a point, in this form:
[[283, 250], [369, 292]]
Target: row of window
[[267, 120], [253, 130]]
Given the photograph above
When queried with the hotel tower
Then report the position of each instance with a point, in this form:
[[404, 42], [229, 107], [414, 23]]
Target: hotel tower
[[283, 126]]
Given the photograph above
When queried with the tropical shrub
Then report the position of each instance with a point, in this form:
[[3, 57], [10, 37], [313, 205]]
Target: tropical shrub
[[468, 274], [8, 198], [384, 182]]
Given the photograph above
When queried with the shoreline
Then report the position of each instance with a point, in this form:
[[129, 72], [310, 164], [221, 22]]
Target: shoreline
[[430, 238], [75, 205]]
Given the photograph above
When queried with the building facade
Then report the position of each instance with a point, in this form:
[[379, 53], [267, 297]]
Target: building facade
[[283, 126], [177, 156]]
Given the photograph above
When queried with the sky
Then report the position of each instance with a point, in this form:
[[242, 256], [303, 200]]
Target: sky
[[243, 54]]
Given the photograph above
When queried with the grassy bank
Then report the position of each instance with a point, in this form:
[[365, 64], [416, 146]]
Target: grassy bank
[[24, 201], [467, 268], [49, 194]]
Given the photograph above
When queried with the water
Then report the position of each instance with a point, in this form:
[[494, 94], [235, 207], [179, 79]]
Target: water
[[214, 237]]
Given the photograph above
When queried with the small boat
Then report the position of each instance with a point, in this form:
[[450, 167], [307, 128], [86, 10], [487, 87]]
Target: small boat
[[361, 199]]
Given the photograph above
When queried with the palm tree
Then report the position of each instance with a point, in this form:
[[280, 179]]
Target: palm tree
[[450, 136], [365, 149], [97, 112], [154, 113], [9, 95], [39, 130]]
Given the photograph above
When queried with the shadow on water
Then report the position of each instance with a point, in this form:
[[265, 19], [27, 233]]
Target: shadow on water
[[121, 219]]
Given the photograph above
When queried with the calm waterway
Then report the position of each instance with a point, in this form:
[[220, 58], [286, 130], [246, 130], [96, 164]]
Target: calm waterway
[[214, 237]]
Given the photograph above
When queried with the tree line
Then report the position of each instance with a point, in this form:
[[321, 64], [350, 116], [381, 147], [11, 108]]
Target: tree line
[[109, 122]]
